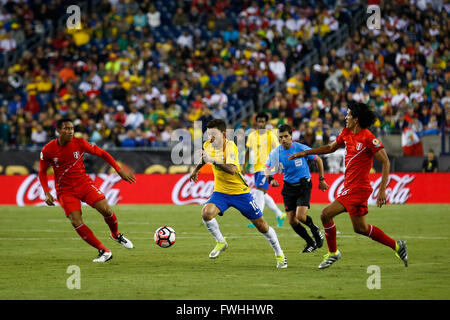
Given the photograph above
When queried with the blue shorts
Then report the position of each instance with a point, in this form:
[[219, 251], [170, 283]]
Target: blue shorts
[[261, 181], [243, 202]]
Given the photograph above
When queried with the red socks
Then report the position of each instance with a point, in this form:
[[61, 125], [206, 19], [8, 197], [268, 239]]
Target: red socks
[[330, 235], [374, 233], [113, 225], [87, 235], [378, 235]]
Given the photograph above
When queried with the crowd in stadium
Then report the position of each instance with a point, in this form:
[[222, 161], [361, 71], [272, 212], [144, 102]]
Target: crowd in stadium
[[135, 70]]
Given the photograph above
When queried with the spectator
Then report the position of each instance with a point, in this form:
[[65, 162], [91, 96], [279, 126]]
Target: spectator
[[277, 67], [134, 119], [205, 118], [130, 140], [16, 105], [67, 72], [219, 98], [180, 18], [219, 113], [154, 17], [430, 164]]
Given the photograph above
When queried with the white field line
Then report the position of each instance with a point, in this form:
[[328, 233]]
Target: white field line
[[183, 235]]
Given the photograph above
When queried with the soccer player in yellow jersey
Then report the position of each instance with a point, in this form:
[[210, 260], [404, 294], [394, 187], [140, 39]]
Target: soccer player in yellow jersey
[[230, 190], [260, 143]]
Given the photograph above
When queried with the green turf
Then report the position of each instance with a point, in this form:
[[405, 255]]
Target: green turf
[[38, 244]]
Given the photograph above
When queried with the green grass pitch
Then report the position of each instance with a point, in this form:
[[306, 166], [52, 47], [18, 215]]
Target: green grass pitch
[[38, 244]]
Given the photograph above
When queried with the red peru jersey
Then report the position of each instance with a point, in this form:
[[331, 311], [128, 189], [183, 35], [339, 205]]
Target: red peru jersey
[[67, 163], [359, 152]]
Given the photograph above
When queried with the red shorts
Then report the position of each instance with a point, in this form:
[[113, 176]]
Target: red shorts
[[71, 200], [355, 201]]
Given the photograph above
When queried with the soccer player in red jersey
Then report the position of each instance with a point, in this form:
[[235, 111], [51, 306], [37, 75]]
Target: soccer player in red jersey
[[361, 146], [73, 185]]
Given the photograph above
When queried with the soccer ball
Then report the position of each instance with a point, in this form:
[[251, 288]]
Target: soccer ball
[[165, 236]]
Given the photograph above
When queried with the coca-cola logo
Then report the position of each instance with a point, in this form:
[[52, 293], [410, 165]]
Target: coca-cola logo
[[30, 191], [396, 189], [188, 192]]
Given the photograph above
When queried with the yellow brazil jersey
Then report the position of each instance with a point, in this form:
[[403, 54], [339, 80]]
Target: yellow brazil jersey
[[225, 182], [261, 145]]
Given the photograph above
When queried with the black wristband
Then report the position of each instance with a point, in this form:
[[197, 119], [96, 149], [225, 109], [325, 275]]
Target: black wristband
[[321, 178]]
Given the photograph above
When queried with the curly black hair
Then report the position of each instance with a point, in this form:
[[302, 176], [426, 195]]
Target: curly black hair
[[262, 115], [366, 117], [60, 122]]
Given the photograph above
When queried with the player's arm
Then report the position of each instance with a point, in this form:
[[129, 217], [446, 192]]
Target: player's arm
[[271, 166], [92, 149], [43, 166], [194, 173], [322, 184], [268, 173], [329, 148], [227, 167], [382, 157]]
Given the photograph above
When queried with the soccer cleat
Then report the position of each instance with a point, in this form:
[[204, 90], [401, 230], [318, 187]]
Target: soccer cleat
[[318, 236], [329, 259], [281, 219], [402, 252], [220, 246], [281, 261], [309, 248], [103, 256], [251, 225], [123, 241]]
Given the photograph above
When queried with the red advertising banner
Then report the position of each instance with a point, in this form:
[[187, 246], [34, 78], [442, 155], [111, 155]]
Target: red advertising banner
[[177, 189]]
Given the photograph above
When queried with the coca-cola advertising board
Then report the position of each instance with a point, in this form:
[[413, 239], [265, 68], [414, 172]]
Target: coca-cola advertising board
[[179, 190]]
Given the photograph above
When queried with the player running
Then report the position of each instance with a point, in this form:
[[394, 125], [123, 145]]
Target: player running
[[297, 185], [230, 190], [261, 142], [73, 185], [360, 146]]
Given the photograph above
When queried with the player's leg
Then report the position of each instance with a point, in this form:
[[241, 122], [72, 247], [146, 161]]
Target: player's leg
[[271, 236], [303, 204], [273, 206], [246, 206], [209, 214], [292, 201], [260, 189], [215, 205], [262, 185], [300, 215], [259, 199], [327, 215], [110, 218], [90, 194], [87, 235], [360, 226]]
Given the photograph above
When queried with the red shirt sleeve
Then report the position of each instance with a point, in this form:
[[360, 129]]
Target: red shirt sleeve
[[93, 149], [340, 138], [43, 166], [373, 144]]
